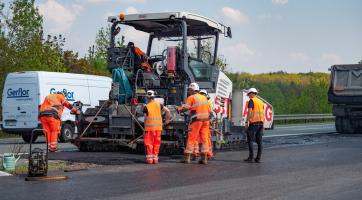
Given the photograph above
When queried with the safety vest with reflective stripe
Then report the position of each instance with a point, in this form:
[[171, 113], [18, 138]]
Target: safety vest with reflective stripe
[[199, 107], [153, 119], [54, 103], [257, 114]]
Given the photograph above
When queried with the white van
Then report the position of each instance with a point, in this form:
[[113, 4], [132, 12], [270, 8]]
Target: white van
[[25, 91]]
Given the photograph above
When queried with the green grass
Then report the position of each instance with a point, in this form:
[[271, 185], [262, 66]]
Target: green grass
[[4, 135]]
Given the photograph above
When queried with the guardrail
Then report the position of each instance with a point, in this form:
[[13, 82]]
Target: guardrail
[[303, 116]]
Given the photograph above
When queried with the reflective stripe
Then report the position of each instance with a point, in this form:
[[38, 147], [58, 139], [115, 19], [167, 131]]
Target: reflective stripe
[[205, 149], [189, 149], [53, 108], [49, 108], [201, 114], [149, 156], [152, 125], [199, 104], [257, 114], [153, 118]]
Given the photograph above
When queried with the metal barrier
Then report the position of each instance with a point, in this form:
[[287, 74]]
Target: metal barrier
[[303, 116]]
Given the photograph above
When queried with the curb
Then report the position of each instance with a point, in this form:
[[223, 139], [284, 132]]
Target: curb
[[4, 174]]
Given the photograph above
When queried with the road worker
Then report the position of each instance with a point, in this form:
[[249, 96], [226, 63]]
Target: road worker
[[210, 154], [141, 56], [254, 124], [50, 112], [199, 124], [153, 126]]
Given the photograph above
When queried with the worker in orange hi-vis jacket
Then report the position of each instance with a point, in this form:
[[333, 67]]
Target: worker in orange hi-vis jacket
[[50, 112], [142, 57], [153, 127], [210, 154], [199, 126]]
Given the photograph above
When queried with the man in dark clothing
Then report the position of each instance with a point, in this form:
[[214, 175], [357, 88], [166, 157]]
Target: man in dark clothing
[[254, 124]]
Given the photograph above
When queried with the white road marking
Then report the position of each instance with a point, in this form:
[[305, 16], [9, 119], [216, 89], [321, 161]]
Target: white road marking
[[301, 126], [311, 128], [296, 134]]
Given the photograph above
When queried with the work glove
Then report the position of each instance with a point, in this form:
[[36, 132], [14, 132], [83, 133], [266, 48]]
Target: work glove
[[75, 111], [179, 109]]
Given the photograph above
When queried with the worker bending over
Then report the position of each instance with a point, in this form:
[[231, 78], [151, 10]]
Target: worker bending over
[[199, 109], [153, 127], [210, 154], [255, 124], [51, 111]]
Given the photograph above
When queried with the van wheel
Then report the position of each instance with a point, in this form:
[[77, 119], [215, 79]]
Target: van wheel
[[66, 133], [27, 136]]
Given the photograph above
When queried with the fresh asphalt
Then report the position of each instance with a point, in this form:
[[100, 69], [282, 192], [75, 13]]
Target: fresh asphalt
[[310, 166]]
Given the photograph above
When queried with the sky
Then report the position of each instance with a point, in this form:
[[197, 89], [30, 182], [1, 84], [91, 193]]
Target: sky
[[268, 35]]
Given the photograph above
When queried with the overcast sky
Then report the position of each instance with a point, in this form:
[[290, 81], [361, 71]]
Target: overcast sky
[[268, 35]]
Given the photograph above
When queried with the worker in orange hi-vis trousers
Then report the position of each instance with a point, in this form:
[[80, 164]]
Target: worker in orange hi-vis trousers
[[210, 154], [50, 112], [199, 124], [153, 127]]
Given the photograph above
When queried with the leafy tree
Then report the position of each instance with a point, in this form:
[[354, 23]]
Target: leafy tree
[[360, 62], [2, 20], [25, 25], [102, 42]]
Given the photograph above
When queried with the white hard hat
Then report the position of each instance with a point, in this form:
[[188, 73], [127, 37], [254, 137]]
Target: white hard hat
[[194, 86], [203, 91], [150, 93], [253, 90]]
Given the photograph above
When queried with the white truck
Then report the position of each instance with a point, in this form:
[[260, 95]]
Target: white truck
[[25, 91]]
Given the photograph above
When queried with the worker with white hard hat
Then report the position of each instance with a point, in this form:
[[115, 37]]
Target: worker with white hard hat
[[199, 109], [254, 124], [153, 126]]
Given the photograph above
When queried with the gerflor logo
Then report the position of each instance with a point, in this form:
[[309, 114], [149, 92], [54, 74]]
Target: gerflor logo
[[69, 95], [17, 93]]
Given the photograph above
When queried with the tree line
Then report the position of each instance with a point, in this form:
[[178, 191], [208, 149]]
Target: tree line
[[23, 47], [302, 93]]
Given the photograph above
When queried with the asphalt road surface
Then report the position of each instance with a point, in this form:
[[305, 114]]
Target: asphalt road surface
[[308, 166]]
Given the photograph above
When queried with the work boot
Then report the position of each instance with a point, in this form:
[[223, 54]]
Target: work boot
[[210, 156], [186, 159], [257, 160], [155, 161], [149, 161], [52, 150], [203, 159], [249, 159]]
